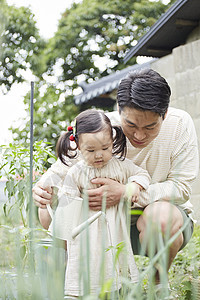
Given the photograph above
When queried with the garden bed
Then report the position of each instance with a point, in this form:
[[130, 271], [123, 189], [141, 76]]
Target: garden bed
[[43, 278]]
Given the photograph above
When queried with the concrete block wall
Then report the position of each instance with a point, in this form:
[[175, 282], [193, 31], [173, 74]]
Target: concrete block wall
[[182, 71]]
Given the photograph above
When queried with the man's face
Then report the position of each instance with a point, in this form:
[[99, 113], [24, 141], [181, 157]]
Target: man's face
[[140, 127]]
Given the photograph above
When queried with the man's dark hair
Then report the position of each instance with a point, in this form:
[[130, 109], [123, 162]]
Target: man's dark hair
[[144, 90]]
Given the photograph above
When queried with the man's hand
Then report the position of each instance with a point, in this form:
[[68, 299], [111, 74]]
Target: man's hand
[[111, 189], [42, 195]]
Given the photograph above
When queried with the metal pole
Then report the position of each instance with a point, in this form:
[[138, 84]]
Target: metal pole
[[31, 158], [31, 253]]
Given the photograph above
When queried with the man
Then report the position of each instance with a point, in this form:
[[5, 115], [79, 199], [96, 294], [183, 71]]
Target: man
[[163, 141]]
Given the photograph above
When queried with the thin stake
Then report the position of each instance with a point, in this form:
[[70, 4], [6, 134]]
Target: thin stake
[[31, 255], [31, 158]]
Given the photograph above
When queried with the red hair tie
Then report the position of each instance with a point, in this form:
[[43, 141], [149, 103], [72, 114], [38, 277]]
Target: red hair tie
[[72, 136], [70, 128]]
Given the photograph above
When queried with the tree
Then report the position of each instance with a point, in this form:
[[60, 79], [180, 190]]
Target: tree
[[91, 41], [53, 112], [21, 45], [94, 30], [2, 23]]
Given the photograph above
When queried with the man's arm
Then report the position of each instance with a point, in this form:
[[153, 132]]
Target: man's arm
[[184, 169], [42, 191], [113, 190], [65, 193], [178, 185]]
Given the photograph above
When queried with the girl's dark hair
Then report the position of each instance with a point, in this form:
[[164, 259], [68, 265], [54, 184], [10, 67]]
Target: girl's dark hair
[[91, 121], [144, 90]]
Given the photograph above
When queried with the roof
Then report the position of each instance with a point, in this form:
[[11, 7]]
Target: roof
[[170, 31], [98, 89]]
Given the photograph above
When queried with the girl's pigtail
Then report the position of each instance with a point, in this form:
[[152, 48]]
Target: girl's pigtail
[[64, 148], [119, 143]]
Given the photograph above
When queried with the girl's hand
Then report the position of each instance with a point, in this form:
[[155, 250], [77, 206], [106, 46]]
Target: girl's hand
[[132, 192], [111, 189], [135, 198]]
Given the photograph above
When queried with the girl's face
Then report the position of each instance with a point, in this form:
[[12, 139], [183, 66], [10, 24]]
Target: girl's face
[[96, 148]]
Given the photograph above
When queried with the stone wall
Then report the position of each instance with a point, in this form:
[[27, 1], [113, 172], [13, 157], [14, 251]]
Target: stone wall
[[182, 71]]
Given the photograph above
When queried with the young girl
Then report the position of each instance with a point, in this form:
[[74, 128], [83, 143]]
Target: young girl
[[103, 149]]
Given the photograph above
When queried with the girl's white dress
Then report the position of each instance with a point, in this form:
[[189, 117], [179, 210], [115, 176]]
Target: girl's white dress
[[106, 239]]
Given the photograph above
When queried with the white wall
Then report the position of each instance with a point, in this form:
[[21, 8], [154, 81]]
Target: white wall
[[182, 71]]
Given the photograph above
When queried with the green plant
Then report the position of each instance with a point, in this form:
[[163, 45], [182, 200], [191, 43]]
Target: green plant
[[32, 266], [15, 168], [26, 260]]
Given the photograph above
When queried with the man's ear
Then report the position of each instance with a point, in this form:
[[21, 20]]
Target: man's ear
[[118, 108], [165, 114]]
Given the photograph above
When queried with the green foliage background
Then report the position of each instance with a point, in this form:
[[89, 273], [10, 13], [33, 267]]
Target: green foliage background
[[21, 45], [88, 32]]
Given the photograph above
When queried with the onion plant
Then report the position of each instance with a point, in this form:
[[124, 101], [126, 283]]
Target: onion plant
[[32, 266]]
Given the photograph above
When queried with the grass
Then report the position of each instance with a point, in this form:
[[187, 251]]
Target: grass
[[24, 276], [41, 277], [31, 268], [184, 274]]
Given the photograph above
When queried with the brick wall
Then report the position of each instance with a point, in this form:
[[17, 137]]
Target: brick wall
[[182, 71]]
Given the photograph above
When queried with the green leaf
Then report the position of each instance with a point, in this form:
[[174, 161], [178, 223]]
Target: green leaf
[[22, 251], [4, 209]]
